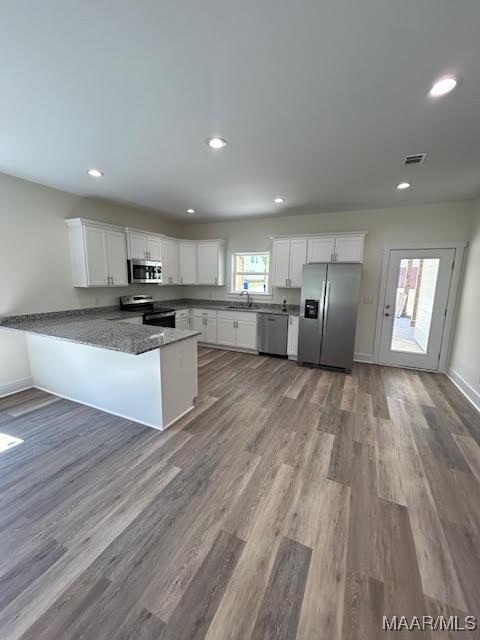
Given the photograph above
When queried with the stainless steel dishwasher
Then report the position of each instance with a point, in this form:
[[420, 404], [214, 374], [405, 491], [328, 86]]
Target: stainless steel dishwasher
[[272, 329]]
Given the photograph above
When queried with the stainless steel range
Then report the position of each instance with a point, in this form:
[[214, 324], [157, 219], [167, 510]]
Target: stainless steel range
[[153, 312]]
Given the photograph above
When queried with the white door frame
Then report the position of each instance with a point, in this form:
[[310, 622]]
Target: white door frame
[[452, 296]]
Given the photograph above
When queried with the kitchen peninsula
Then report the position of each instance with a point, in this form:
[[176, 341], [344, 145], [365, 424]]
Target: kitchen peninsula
[[146, 374]]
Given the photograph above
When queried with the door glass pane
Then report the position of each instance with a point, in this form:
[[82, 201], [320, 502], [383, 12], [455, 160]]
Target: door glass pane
[[417, 281]]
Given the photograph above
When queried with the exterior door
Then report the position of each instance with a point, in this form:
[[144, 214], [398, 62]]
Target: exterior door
[[416, 298]]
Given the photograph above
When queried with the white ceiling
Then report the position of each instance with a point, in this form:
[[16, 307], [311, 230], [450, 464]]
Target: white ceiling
[[319, 100]]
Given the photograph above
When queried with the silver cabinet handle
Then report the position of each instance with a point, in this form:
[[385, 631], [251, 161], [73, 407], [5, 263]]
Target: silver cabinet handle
[[327, 301], [112, 280]]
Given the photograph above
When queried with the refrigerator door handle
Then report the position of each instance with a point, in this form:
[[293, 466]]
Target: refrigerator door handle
[[325, 312]]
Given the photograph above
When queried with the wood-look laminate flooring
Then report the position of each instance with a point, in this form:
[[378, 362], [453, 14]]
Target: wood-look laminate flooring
[[291, 503]]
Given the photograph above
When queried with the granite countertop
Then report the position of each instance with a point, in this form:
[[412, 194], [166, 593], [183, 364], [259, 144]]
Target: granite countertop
[[99, 330], [231, 305], [96, 327]]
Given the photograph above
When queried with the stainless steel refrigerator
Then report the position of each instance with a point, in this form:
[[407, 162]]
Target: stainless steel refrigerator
[[328, 313]]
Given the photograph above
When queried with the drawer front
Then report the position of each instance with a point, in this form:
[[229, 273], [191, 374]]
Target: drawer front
[[205, 313], [182, 313], [244, 316]]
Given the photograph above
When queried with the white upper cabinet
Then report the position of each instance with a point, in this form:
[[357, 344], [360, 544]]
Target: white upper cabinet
[[210, 262], [298, 257], [143, 246], [98, 253], [154, 247], [117, 258], [321, 249], [169, 252], [290, 254], [281, 262], [349, 248], [188, 262], [96, 258]]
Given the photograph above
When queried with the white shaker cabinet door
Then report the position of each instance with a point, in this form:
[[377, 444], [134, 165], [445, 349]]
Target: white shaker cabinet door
[[349, 248], [321, 249], [247, 333], [97, 256], [226, 332], [188, 262], [138, 245], [292, 344], [298, 257], [207, 263], [281, 262], [117, 258]]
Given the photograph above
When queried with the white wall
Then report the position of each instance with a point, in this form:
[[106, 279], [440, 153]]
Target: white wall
[[465, 360], [35, 271], [430, 223]]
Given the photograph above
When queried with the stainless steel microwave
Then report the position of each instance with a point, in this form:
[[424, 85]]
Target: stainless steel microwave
[[145, 271]]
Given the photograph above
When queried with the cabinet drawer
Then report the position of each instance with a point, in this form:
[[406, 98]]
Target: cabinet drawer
[[182, 313], [205, 313]]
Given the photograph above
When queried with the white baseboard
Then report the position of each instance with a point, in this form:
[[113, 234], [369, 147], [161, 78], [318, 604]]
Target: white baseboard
[[8, 388], [363, 357], [466, 388]]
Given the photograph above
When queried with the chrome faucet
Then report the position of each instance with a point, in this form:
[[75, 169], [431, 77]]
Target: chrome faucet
[[249, 299]]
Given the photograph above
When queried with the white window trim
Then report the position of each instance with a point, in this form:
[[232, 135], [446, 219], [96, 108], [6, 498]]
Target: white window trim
[[236, 294]]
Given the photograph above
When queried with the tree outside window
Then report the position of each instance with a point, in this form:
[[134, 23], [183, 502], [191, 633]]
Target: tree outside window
[[250, 272]]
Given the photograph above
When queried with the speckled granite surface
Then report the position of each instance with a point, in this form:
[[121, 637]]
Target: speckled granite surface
[[226, 305], [103, 332], [96, 327]]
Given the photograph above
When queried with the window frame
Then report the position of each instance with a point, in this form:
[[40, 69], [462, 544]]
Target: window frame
[[233, 273]]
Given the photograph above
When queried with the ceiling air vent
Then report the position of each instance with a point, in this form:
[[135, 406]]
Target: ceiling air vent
[[418, 158]]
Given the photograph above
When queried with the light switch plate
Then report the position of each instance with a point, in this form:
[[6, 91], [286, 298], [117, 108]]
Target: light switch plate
[[368, 300]]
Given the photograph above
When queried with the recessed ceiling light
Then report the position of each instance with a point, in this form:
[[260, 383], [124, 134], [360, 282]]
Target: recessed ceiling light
[[403, 185], [189, 210], [95, 173], [216, 143], [442, 86], [279, 200]]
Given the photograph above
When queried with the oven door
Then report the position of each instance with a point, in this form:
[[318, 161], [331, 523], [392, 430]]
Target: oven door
[[145, 271], [160, 319]]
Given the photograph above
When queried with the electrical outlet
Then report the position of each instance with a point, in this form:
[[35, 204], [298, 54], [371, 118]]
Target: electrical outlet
[[368, 300]]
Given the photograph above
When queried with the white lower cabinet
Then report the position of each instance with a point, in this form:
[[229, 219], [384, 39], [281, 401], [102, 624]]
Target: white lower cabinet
[[182, 319], [237, 329], [205, 321], [292, 340]]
